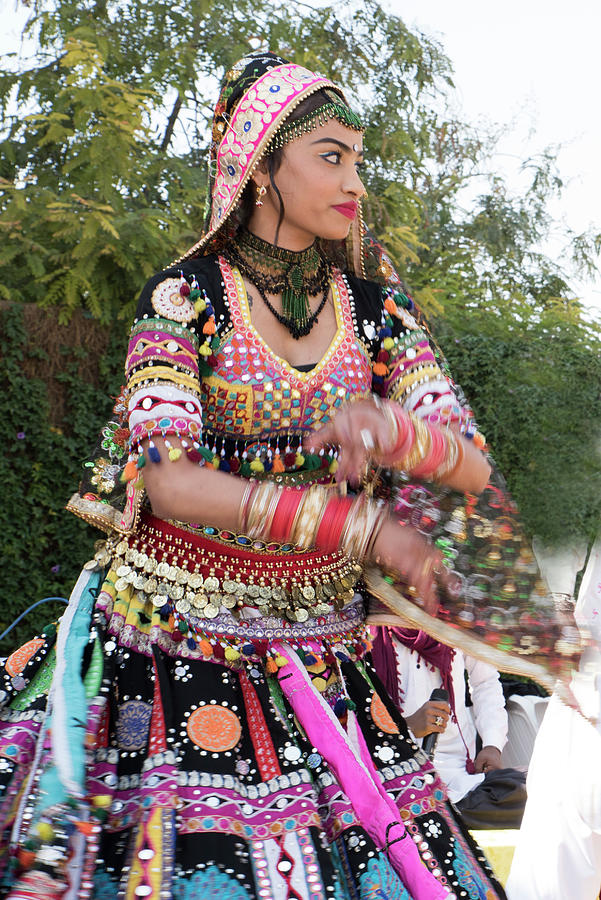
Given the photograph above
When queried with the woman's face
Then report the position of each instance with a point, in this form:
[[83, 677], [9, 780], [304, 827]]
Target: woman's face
[[320, 186]]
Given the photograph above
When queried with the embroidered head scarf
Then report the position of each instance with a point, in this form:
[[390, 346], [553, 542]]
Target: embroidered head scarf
[[252, 116]]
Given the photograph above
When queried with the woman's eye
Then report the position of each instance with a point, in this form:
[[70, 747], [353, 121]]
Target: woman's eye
[[333, 157]]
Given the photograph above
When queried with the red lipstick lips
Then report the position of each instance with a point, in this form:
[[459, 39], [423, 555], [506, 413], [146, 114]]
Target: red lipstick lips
[[347, 209]]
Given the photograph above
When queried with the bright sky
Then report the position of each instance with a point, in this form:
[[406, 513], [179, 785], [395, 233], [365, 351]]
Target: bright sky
[[535, 65]]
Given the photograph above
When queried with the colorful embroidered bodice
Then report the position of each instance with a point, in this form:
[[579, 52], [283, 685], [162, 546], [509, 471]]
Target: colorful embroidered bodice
[[253, 393]]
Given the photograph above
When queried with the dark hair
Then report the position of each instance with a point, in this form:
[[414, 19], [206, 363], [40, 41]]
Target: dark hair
[[274, 160]]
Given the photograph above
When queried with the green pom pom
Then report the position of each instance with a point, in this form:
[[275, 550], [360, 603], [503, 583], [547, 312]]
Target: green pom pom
[[312, 462], [206, 454], [245, 469]]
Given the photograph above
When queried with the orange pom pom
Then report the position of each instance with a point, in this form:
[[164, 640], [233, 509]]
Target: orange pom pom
[[209, 326], [278, 465], [390, 306], [271, 666], [479, 440], [130, 471], [206, 648], [380, 368]]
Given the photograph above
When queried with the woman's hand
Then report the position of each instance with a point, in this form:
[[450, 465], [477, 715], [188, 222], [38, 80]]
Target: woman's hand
[[418, 562], [359, 430], [432, 716]]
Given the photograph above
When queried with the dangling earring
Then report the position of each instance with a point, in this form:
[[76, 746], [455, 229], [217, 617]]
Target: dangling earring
[[261, 191]]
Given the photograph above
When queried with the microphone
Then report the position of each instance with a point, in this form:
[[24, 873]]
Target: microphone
[[430, 741]]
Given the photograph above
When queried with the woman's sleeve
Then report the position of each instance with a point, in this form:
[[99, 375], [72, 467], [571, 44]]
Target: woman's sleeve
[[410, 369], [170, 342]]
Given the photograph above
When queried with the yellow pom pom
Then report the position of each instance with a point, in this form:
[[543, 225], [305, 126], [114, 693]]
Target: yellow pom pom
[[139, 484], [205, 350], [388, 343], [231, 654], [281, 661], [333, 467], [215, 462], [45, 831], [257, 466], [174, 454], [200, 306], [102, 801], [300, 460]]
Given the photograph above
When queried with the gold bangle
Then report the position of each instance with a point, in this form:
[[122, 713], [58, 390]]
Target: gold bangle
[[260, 504], [421, 447]]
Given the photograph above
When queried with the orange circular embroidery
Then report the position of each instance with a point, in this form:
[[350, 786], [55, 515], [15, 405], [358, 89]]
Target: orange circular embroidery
[[214, 728], [381, 716], [17, 661]]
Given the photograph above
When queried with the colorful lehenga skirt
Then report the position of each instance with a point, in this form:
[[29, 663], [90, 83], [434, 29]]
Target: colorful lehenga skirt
[[153, 748]]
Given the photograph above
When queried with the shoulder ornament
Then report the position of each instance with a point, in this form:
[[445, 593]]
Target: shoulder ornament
[[171, 302]]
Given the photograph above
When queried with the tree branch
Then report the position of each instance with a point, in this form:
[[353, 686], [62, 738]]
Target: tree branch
[[171, 123]]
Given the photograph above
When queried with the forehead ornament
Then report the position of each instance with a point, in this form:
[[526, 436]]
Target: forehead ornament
[[356, 148]]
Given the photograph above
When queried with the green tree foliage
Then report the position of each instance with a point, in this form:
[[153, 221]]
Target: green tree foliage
[[102, 175]]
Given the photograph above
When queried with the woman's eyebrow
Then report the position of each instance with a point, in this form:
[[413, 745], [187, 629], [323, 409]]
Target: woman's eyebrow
[[343, 146]]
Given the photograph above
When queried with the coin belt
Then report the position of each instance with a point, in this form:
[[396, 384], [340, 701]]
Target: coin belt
[[202, 578]]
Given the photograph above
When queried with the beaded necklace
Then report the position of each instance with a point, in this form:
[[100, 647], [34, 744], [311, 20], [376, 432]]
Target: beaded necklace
[[295, 275]]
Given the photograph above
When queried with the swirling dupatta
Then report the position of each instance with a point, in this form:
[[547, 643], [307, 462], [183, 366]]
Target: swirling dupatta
[[502, 612]]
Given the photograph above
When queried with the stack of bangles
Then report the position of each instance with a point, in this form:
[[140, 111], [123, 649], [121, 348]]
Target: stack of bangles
[[417, 447], [317, 517]]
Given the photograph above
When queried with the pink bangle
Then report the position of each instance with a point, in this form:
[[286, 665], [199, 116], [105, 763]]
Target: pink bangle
[[433, 460], [406, 436], [332, 523], [284, 515]]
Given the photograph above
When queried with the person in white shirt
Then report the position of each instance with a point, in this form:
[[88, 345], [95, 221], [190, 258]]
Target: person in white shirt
[[412, 665]]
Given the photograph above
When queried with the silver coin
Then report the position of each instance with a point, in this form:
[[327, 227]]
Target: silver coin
[[182, 606], [210, 611], [150, 565], [176, 591], [252, 590], [308, 592], [130, 554], [122, 571], [195, 581], [162, 569], [121, 585], [139, 582], [229, 586], [199, 600], [151, 585], [157, 600], [163, 589], [229, 601], [182, 576], [211, 583], [121, 548]]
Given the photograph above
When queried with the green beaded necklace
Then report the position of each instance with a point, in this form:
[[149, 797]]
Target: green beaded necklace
[[296, 275]]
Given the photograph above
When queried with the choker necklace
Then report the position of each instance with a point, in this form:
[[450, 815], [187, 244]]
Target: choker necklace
[[296, 275]]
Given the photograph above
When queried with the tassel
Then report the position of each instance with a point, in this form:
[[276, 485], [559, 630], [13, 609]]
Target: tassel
[[153, 453], [130, 471]]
